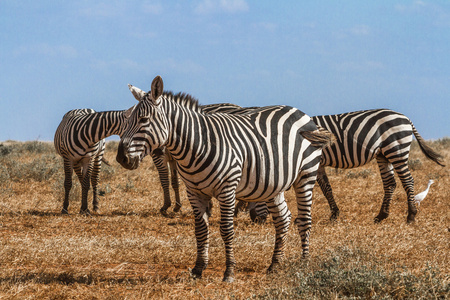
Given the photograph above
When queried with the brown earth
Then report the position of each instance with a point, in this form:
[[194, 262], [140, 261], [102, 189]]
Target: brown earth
[[129, 250]]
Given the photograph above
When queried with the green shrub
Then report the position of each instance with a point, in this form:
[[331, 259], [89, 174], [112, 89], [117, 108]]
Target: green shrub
[[353, 274], [40, 169], [5, 150], [359, 174]]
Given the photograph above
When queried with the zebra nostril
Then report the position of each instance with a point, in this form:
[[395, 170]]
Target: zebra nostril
[[121, 158]]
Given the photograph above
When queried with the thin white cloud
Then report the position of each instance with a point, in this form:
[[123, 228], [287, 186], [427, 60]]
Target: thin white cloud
[[437, 14], [364, 66], [360, 30], [121, 64], [412, 7], [103, 9], [266, 26], [44, 49], [221, 6], [151, 7], [185, 67]]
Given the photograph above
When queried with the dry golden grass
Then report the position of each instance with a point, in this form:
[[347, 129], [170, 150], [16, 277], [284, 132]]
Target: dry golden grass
[[130, 251]]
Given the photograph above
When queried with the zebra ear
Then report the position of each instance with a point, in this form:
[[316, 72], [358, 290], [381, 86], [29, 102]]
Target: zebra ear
[[157, 89], [129, 111], [137, 92]]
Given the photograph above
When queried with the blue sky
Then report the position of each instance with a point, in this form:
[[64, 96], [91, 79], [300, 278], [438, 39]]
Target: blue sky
[[323, 57]]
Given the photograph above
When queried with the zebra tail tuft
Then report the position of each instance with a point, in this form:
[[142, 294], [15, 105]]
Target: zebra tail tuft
[[430, 153], [319, 138], [105, 161]]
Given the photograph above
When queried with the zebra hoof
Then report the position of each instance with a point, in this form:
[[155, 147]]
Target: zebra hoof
[[196, 273], [272, 268], [228, 276], [334, 216], [85, 212], [228, 279], [380, 218], [411, 219], [163, 212], [64, 211], [177, 208]]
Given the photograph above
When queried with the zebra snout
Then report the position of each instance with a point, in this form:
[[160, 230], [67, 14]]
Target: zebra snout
[[121, 156], [124, 158]]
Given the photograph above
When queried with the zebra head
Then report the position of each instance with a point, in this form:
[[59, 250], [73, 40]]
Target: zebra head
[[146, 129]]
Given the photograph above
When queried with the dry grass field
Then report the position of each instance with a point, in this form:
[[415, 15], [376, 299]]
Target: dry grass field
[[129, 251]]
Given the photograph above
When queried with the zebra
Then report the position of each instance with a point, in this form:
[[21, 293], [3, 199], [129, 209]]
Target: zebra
[[361, 136], [80, 141], [165, 162], [252, 157]]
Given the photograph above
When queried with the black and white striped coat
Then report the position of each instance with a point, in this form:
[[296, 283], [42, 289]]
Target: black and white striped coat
[[80, 141], [251, 157], [362, 136]]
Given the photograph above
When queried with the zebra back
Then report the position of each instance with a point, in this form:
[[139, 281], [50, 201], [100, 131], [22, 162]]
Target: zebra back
[[362, 135]]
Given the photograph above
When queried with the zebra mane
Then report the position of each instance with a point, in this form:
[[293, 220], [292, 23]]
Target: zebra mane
[[183, 99]]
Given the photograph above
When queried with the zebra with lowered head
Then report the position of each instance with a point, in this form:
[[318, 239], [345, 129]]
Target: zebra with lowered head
[[362, 136], [251, 157]]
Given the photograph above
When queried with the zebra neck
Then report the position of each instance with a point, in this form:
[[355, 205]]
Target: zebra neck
[[187, 129], [108, 123]]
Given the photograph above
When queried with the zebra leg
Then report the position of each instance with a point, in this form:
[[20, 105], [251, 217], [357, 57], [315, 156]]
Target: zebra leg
[[303, 191], [281, 219], [68, 170], [85, 185], [240, 206], [95, 178], [161, 165], [407, 180], [325, 186], [175, 184], [200, 207], [389, 185], [227, 203]]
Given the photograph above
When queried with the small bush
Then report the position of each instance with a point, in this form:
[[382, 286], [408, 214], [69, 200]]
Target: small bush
[[40, 169], [35, 147], [359, 174], [112, 146], [345, 275], [415, 164], [4, 175], [5, 150]]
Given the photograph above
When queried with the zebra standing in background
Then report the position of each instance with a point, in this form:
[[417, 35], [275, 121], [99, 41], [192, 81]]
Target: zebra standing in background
[[360, 137], [80, 141], [251, 157]]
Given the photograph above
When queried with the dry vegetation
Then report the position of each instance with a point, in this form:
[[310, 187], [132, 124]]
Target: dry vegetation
[[130, 251]]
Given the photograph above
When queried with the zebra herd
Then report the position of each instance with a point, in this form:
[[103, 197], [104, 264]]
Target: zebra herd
[[235, 154]]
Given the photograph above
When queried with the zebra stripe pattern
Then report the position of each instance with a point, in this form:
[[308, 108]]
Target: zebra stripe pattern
[[251, 157], [163, 160], [361, 136], [80, 141]]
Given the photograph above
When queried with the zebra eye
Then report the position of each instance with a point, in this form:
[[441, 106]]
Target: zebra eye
[[144, 120]]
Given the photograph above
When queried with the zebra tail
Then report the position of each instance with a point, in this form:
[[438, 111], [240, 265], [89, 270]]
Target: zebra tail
[[105, 161], [430, 153], [320, 138]]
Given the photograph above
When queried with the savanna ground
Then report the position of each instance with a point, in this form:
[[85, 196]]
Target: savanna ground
[[130, 251]]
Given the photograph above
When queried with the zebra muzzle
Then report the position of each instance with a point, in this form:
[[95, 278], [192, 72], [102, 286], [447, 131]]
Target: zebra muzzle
[[125, 160]]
